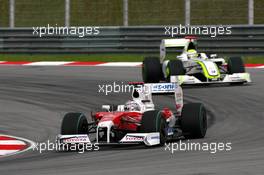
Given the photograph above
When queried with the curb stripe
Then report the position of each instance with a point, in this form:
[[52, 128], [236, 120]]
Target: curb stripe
[[89, 63], [12, 142], [6, 138], [7, 152], [121, 64], [48, 63], [253, 65], [259, 67], [19, 63], [11, 145], [78, 63]]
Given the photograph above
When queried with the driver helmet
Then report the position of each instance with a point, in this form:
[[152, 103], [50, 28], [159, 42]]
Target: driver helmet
[[131, 106], [192, 54]]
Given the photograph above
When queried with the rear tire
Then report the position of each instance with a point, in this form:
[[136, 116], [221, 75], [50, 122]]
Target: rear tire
[[153, 121], [151, 70], [235, 65], [194, 120], [74, 123]]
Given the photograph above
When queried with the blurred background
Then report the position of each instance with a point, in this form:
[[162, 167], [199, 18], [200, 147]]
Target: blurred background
[[129, 29], [26, 13]]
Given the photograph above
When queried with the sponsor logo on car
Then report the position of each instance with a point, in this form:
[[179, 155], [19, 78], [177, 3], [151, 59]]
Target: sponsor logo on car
[[164, 87], [79, 139], [133, 138], [236, 78], [213, 71], [155, 137], [190, 80]]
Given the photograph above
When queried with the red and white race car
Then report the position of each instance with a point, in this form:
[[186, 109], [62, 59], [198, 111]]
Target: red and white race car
[[137, 121]]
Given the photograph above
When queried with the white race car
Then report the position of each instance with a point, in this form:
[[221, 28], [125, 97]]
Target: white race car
[[192, 67]]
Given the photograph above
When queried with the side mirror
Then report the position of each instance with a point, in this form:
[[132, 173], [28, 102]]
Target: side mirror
[[213, 56], [106, 107], [178, 56]]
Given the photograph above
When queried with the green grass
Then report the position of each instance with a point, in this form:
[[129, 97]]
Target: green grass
[[98, 57], [254, 60]]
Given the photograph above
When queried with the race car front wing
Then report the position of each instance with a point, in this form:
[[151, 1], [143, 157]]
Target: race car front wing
[[227, 78], [149, 139]]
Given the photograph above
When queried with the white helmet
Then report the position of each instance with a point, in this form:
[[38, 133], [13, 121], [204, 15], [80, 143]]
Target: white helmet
[[132, 106]]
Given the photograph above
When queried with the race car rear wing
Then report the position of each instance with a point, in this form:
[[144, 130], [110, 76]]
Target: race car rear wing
[[162, 88], [145, 91], [157, 88], [185, 43]]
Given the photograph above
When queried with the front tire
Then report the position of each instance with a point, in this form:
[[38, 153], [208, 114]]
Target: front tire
[[194, 120], [235, 65], [151, 70], [175, 67], [153, 121], [74, 123]]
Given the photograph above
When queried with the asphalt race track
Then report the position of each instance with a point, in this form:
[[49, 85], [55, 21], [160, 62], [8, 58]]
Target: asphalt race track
[[33, 101]]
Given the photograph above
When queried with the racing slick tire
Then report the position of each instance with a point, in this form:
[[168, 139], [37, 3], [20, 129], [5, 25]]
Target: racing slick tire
[[175, 67], [153, 121], [74, 123], [194, 120], [151, 70], [235, 65]]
